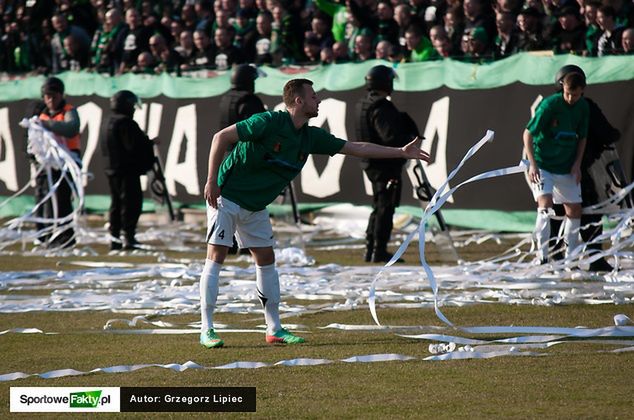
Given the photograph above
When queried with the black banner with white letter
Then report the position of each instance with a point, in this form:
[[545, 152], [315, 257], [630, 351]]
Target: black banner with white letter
[[451, 120]]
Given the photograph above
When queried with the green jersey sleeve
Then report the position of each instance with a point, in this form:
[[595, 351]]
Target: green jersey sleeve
[[325, 143], [254, 127], [542, 117]]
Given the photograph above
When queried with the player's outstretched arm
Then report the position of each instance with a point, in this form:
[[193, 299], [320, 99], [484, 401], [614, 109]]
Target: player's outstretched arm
[[375, 151], [219, 145]]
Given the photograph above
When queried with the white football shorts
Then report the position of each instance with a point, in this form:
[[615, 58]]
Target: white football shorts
[[252, 229], [562, 187]]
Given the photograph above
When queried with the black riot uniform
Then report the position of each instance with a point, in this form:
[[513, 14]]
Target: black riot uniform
[[380, 122], [600, 135], [240, 102], [127, 151]]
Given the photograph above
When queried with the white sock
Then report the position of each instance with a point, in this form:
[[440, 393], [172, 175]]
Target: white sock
[[209, 293], [268, 284], [542, 232], [571, 234]]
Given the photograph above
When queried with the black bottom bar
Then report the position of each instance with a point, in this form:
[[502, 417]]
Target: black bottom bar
[[211, 399]]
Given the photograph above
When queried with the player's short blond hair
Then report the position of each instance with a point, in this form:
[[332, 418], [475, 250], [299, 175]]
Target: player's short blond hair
[[294, 88]]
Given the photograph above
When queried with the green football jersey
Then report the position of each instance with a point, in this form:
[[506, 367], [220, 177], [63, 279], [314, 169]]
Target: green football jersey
[[270, 152], [557, 128]]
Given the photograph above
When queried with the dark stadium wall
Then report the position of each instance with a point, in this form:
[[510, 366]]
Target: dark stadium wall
[[451, 120]]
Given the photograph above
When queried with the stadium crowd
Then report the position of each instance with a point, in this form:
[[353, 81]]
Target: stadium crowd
[[184, 36]]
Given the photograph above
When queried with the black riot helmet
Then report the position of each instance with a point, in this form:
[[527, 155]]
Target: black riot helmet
[[243, 77], [52, 84], [124, 102], [565, 70], [380, 78]]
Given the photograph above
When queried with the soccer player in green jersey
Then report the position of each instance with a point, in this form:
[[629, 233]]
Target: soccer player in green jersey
[[554, 142], [269, 150]]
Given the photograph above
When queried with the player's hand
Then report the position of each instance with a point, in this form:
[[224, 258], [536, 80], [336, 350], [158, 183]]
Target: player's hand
[[413, 151], [533, 174], [212, 192]]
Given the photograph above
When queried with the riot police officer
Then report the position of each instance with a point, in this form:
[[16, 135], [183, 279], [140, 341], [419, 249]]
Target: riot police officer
[[600, 135], [380, 122], [240, 102], [128, 154]]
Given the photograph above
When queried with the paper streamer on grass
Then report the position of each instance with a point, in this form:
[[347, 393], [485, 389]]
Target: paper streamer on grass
[[370, 358], [49, 155], [436, 202], [478, 352]]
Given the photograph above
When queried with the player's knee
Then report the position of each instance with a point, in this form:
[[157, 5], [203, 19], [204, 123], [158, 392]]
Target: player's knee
[[217, 253], [263, 256]]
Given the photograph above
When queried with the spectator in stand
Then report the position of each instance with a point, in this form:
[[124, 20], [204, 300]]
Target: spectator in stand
[[419, 47], [230, 6], [418, 10], [384, 50], [325, 56], [312, 50], [43, 47], [226, 54], [134, 38], [340, 53], [81, 14], [508, 6], [148, 14], [203, 57], [454, 26], [223, 20], [443, 47], [145, 64], [320, 28], [189, 20], [245, 35], [385, 26], [264, 53], [403, 18], [465, 43], [592, 27], [204, 15], [287, 35], [166, 59], [531, 37], [74, 58], [506, 41], [478, 14], [610, 41], [572, 35], [478, 49], [436, 33], [363, 48], [62, 30], [353, 28], [624, 12], [176, 28], [105, 54], [627, 41], [435, 12], [249, 9], [185, 47], [339, 14]]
